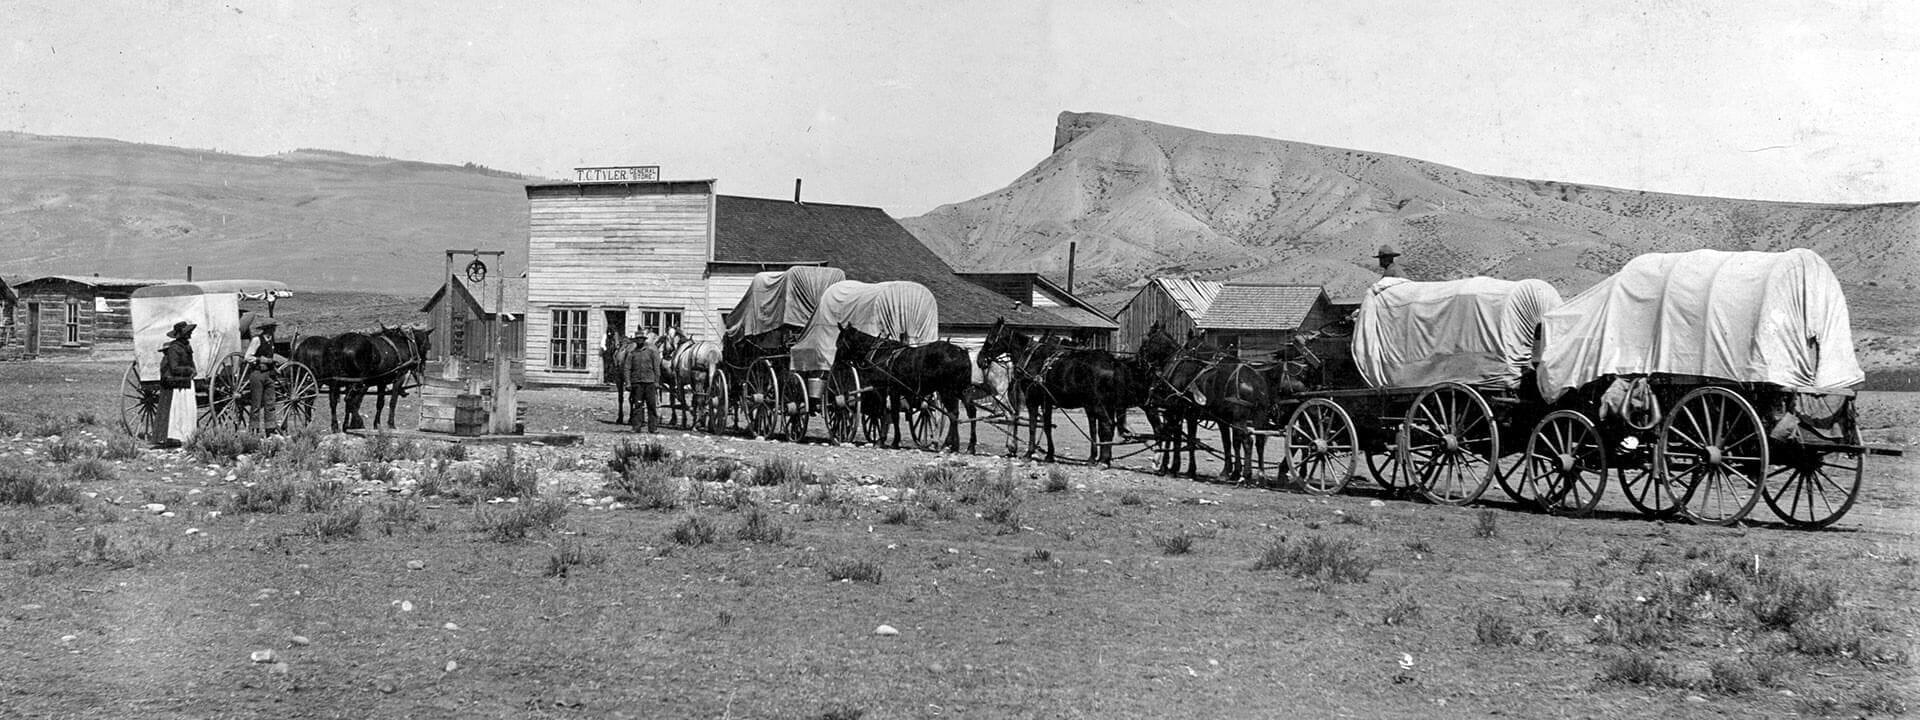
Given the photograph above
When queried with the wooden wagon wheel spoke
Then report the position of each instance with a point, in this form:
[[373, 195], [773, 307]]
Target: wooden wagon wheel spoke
[[1460, 447], [1722, 480], [1818, 489], [139, 403], [1320, 443]]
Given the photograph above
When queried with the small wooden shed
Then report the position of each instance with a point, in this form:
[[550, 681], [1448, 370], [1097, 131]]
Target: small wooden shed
[[9, 342], [1090, 327], [1176, 303], [1261, 319], [464, 315], [76, 317]]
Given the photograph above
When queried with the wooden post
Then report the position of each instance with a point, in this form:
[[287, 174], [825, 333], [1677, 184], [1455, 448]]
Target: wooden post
[[505, 404]]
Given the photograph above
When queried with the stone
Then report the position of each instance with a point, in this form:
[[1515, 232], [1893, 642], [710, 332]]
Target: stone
[[155, 508], [1695, 699], [1377, 503], [886, 630], [416, 565], [168, 513], [263, 656], [451, 626], [299, 641], [192, 531], [31, 606], [406, 606], [279, 668], [452, 666]]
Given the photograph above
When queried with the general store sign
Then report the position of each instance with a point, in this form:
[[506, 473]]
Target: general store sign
[[630, 173]]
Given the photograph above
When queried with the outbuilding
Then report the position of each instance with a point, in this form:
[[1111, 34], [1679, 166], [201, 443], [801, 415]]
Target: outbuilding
[[1174, 303], [1092, 328], [630, 254], [1261, 319], [465, 314], [76, 317], [9, 344]]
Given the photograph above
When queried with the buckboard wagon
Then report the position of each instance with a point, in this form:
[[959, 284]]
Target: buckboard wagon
[[219, 367]]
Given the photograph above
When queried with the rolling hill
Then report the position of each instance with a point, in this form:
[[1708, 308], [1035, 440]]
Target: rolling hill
[[1144, 199], [316, 219]]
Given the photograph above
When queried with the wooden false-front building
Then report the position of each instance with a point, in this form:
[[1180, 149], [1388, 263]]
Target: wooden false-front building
[[75, 317], [1173, 303], [660, 254]]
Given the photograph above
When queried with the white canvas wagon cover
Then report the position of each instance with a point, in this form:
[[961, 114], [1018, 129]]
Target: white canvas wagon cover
[[783, 298], [212, 305], [1744, 316], [1478, 331], [890, 309]]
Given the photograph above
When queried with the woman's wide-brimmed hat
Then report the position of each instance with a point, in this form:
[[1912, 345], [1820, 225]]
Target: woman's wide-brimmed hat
[[181, 329]]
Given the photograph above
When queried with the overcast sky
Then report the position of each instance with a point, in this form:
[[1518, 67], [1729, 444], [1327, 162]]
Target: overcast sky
[[909, 105]]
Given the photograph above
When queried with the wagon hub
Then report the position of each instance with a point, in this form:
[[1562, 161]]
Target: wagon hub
[[1320, 446], [1715, 456], [1453, 442], [1566, 462]]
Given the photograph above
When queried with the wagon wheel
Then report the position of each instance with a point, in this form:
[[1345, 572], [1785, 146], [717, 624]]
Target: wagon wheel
[[224, 386], [761, 398], [1564, 469], [842, 404], [139, 403], [795, 405], [299, 392], [1819, 487], [1385, 468], [928, 423], [1713, 455], [1320, 446], [1448, 444], [716, 410]]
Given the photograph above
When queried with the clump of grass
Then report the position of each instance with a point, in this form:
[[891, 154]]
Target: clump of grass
[[383, 448], [1486, 525], [783, 471], [376, 472], [1405, 609], [945, 477], [1353, 519], [855, 571], [648, 487], [507, 477], [266, 497], [341, 523], [1781, 599], [630, 455], [70, 448], [1731, 677], [124, 548], [1179, 543], [1326, 560], [222, 445], [693, 531], [1420, 546], [510, 522], [1040, 555], [22, 485], [841, 712], [1491, 627], [1131, 498], [758, 526], [1056, 480], [450, 452], [120, 447], [85, 418], [323, 496], [898, 515], [569, 556], [50, 425], [937, 504], [92, 469], [1643, 621], [718, 470], [395, 515], [1637, 669]]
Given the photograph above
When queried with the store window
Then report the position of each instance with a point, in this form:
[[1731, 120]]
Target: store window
[[659, 321], [567, 348]]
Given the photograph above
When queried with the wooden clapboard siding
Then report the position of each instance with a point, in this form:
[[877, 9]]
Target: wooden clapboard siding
[[623, 246], [1151, 305]]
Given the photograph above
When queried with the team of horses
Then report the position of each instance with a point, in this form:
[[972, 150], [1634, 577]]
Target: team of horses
[[1176, 383], [386, 362]]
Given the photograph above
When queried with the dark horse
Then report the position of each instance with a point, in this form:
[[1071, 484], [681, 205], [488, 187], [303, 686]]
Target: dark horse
[[903, 374], [1216, 385], [355, 362], [1170, 411], [1047, 375]]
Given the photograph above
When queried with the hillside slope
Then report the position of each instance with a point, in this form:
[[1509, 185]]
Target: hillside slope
[[314, 219], [1144, 199]]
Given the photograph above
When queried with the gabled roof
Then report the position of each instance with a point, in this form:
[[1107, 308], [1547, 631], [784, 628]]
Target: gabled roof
[[482, 294], [865, 242], [97, 281], [1024, 285], [1261, 307], [6, 293], [1192, 296]]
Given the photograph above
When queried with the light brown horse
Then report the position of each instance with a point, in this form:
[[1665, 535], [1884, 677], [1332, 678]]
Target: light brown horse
[[689, 365]]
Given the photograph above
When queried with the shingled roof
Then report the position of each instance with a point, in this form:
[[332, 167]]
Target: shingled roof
[[484, 293], [1261, 307], [865, 242]]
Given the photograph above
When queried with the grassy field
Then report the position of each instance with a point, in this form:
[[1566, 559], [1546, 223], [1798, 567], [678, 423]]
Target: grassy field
[[697, 576]]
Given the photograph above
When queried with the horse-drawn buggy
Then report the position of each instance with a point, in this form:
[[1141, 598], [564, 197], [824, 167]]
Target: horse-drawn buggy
[[872, 353], [1705, 380], [214, 308]]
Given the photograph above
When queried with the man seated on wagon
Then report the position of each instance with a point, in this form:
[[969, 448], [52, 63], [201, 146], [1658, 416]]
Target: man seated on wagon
[[263, 365]]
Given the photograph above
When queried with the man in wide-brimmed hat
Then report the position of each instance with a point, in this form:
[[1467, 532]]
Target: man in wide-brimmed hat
[[1386, 256], [174, 419], [262, 362]]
